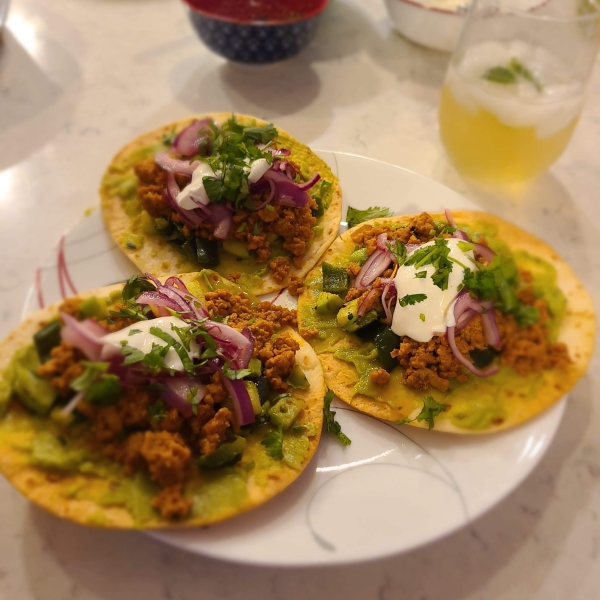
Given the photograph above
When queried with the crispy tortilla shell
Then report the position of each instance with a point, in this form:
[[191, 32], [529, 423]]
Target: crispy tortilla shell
[[480, 405], [79, 497], [155, 255]]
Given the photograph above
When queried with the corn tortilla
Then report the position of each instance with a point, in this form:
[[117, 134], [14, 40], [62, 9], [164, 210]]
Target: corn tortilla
[[514, 397]]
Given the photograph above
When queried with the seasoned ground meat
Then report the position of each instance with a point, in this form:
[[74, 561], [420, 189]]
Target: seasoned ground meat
[[418, 230], [379, 376], [255, 229], [167, 456], [353, 269], [71, 307], [63, 366], [214, 432], [307, 334], [525, 349], [171, 503], [296, 286], [281, 269], [279, 365], [151, 185], [353, 294]]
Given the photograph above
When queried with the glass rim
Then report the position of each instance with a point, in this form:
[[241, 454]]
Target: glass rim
[[530, 14]]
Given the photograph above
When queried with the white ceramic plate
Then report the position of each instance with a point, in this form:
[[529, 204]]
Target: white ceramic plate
[[395, 488]]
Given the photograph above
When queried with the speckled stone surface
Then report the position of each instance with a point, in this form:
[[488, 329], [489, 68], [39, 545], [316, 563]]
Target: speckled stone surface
[[78, 78]]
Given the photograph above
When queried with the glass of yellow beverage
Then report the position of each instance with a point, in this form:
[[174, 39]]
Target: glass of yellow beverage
[[514, 88]]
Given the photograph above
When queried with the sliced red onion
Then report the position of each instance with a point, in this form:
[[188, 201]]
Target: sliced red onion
[[487, 372], [484, 251], [223, 228], [287, 192], [175, 291], [84, 335], [390, 289], [490, 329], [282, 152], [196, 138], [173, 165], [375, 265], [287, 168], [222, 216], [411, 247], [177, 392], [242, 405], [382, 241], [458, 233], [387, 281], [237, 347], [156, 299], [363, 305], [310, 183], [190, 217]]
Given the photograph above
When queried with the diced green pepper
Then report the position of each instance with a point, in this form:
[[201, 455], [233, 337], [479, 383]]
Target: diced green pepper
[[46, 339], [284, 413], [328, 303], [225, 455], [297, 378], [255, 367], [335, 279], [348, 318], [386, 341], [263, 388], [207, 252], [254, 397], [359, 256]]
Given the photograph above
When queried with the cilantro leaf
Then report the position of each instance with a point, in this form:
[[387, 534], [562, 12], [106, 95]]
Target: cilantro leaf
[[135, 286], [92, 371], [273, 442], [331, 425], [132, 355], [436, 254], [430, 410], [421, 275], [235, 374], [262, 134], [398, 249], [134, 332], [188, 365], [412, 299], [157, 411], [354, 216]]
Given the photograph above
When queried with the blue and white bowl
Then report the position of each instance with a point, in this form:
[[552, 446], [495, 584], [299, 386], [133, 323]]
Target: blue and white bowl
[[258, 42]]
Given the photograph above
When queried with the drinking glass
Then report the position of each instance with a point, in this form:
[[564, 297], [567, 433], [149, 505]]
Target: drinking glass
[[514, 88]]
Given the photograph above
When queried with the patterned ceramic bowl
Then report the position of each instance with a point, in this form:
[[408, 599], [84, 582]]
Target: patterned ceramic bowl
[[256, 32]]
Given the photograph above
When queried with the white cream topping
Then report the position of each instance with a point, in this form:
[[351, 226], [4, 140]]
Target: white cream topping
[[422, 320], [257, 169], [144, 340], [195, 189]]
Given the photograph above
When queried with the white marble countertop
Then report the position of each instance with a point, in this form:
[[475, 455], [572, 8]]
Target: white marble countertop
[[78, 78]]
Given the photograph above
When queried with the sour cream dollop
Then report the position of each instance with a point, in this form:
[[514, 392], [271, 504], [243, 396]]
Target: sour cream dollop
[[422, 320], [138, 336], [194, 192]]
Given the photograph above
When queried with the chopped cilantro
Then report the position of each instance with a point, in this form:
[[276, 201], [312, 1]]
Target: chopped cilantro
[[132, 355], [273, 442], [134, 332], [421, 275], [241, 228], [331, 425], [354, 216], [157, 411], [430, 410], [99, 387], [422, 317], [192, 398], [135, 286], [498, 282], [465, 246], [436, 255], [235, 374], [398, 249], [412, 299], [188, 365]]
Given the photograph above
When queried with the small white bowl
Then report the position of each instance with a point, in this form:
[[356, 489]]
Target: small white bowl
[[428, 25]]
